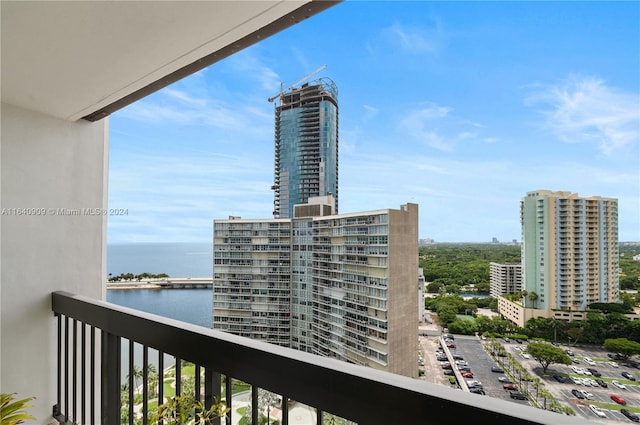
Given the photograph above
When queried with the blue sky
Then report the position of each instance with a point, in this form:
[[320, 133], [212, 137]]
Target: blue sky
[[460, 107]]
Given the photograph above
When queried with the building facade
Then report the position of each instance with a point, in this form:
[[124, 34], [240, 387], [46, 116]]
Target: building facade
[[569, 250], [306, 146], [505, 278], [340, 286]]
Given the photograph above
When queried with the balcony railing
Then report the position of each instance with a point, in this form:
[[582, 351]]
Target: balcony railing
[[92, 335]]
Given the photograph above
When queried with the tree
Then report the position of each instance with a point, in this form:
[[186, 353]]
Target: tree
[[136, 374], [547, 354], [575, 333], [533, 297], [623, 346], [434, 287], [186, 409]]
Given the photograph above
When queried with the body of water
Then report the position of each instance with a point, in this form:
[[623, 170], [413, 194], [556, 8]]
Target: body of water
[[175, 259], [188, 305]]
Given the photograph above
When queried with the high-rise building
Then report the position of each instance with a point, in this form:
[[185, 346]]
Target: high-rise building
[[341, 286], [569, 255], [569, 250], [505, 278], [306, 145]]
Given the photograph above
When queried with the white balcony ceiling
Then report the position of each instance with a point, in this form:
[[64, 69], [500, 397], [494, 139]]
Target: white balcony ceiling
[[69, 59]]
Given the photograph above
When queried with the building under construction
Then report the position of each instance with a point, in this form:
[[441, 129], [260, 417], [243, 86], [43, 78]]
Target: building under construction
[[306, 145]]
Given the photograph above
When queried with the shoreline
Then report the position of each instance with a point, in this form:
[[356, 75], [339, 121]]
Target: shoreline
[[164, 283]]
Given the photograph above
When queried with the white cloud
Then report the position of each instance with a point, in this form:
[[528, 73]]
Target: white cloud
[[370, 112], [415, 39], [586, 110], [437, 127]]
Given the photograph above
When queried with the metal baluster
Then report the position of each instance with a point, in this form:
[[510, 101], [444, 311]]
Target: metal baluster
[[198, 395], [66, 368], [160, 380], [58, 405], [254, 404], [228, 396], [83, 366], [92, 379], [285, 410], [131, 381], [212, 384], [110, 386], [178, 377], [74, 371], [145, 384]]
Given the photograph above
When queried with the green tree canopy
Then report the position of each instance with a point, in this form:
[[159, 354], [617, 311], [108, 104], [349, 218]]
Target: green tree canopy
[[547, 354], [623, 346]]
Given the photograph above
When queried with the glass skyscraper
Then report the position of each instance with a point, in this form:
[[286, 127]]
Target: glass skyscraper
[[306, 145]]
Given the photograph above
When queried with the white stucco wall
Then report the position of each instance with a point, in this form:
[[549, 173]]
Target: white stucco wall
[[46, 164]]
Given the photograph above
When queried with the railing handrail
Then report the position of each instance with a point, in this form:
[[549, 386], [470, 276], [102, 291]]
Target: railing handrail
[[361, 394]]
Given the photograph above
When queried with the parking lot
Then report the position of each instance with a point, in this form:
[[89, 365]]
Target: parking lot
[[478, 360], [609, 371]]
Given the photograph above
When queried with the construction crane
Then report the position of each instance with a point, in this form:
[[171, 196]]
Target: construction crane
[[306, 77]]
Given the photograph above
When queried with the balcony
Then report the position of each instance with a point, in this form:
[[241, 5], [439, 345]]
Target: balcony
[[92, 333]]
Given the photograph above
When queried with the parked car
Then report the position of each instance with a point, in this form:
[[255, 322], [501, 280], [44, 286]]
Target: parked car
[[628, 376], [497, 369], [630, 415], [449, 372], [597, 411], [517, 395], [577, 394], [618, 399], [476, 390], [588, 361], [510, 387], [619, 385], [505, 380], [601, 383], [570, 353], [587, 394], [474, 383], [594, 372], [574, 360], [466, 374], [451, 345], [560, 378]]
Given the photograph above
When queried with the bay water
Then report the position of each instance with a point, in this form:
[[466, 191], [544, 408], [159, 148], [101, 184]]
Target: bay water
[[178, 260], [175, 259]]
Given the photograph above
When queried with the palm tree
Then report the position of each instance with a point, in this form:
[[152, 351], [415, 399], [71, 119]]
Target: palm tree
[[137, 375], [545, 396], [537, 382], [533, 297], [152, 375]]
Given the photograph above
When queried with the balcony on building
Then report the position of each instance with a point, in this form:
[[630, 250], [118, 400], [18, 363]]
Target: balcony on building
[[61, 342]]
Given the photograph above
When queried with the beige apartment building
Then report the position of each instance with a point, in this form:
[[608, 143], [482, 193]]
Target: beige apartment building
[[505, 278], [341, 286], [569, 256]]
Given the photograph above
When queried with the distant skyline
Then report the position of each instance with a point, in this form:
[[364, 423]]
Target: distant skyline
[[460, 107]]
